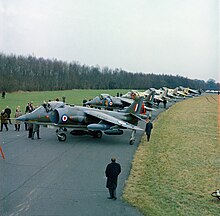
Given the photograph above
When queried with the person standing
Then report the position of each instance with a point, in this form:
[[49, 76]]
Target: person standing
[[3, 95], [29, 108], [8, 111], [112, 171], [36, 128], [30, 129], [148, 128], [17, 123], [4, 120], [165, 103]]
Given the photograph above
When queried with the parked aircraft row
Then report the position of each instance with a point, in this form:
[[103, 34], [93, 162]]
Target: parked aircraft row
[[131, 108]]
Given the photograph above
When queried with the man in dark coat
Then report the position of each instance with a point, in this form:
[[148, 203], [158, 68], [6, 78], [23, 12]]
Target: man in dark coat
[[112, 171], [8, 111], [148, 128], [4, 120], [29, 108]]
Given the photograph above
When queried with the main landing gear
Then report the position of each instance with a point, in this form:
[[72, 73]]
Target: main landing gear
[[61, 134]]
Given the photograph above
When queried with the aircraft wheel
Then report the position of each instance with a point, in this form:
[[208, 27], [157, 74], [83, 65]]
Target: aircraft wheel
[[61, 137], [214, 194], [131, 142], [97, 134]]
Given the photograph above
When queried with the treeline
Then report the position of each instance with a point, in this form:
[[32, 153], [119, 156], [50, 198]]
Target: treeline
[[28, 73]]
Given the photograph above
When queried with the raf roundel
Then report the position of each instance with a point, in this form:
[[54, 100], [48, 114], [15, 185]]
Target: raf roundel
[[64, 118]]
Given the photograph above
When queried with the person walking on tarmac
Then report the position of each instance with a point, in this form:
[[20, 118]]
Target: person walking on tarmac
[[148, 128], [112, 171]]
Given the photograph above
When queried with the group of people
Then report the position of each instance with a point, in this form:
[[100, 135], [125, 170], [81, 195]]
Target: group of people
[[6, 119], [31, 128]]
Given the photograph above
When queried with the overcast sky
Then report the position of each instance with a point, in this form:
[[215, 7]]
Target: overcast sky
[[177, 37]]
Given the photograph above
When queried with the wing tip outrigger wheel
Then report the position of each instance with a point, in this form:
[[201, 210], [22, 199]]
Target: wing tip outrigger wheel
[[131, 142], [216, 194]]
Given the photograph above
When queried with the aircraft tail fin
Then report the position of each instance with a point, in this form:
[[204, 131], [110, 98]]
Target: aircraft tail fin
[[175, 91], [150, 98], [135, 107]]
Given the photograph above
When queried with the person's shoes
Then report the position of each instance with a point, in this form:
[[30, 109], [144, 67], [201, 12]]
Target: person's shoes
[[110, 197], [114, 198], [39, 138]]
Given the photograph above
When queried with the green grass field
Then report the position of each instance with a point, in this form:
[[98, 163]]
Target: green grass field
[[175, 173], [72, 97]]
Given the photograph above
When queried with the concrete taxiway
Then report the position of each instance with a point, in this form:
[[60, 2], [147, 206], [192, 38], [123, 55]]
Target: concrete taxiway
[[48, 177]]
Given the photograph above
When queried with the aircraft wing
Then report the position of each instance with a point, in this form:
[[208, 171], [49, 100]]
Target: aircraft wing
[[111, 119]]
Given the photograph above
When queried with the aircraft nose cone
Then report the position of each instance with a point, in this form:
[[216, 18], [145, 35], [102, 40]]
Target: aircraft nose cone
[[88, 103], [23, 118]]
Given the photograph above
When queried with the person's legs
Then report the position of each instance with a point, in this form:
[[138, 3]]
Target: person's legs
[[38, 134], [6, 126], [148, 137], [33, 135], [111, 193], [114, 193]]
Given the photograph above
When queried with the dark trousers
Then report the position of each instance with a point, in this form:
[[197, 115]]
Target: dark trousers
[[17, 127], [30, 131], [148, 137], [112, 192], [6, 126]]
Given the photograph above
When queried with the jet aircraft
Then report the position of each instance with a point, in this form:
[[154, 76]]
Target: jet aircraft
[[85, 120], [110, 102], [148, 98]]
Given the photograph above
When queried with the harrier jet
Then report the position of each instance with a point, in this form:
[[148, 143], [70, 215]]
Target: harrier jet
[[109, 102], [85, 120]]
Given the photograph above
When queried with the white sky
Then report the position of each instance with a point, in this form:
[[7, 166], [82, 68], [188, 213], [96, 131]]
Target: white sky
[[178, 37]]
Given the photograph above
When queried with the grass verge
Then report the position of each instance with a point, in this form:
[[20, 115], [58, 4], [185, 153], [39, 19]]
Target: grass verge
[[175, 173]]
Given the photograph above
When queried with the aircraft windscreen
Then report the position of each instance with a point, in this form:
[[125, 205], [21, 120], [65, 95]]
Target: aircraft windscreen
[[37, 109], [52, 105]]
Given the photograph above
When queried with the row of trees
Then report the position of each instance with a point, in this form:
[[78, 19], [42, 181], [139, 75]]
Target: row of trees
[[29, 73]]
